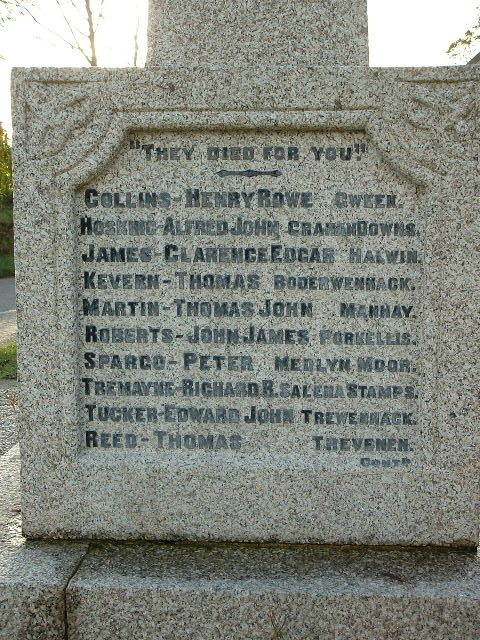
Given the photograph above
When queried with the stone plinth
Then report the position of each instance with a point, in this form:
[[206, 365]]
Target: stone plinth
[[205, 593]]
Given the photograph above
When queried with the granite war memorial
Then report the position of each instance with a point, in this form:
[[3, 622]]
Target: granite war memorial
[[247, 300]]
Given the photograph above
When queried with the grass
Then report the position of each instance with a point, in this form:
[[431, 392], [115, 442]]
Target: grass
[[8, 361], [7, 265]]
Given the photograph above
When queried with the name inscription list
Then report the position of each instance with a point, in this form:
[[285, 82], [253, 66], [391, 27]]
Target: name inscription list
[[246, 293]]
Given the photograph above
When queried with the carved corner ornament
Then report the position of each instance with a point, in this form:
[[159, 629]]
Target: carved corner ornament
[[423, 129]]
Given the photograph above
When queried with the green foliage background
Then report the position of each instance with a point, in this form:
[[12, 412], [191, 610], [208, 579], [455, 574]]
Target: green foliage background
[[7, 266], [6, 184]]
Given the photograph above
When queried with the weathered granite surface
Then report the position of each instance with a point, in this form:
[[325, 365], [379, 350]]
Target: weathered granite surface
[[80, 133], [150, 591], [154, 591], [33, 575], [233, 33]]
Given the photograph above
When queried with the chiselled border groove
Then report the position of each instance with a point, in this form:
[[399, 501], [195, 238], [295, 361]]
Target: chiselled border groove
[[472, 77], [252, 111], [122, 123], [369, 123]]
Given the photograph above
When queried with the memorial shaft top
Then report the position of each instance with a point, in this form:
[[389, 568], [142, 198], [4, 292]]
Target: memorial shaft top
[[258, 32]]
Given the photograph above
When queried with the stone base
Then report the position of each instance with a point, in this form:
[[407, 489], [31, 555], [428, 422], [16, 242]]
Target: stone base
[[207, 592], [150, 591], [33, 575]]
